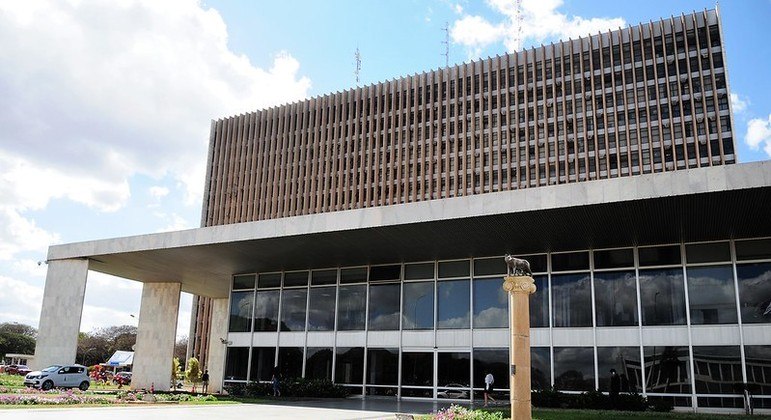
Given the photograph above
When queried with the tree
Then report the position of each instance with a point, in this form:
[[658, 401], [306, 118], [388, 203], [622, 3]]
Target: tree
[[193, 371], [16, 343], [16, 328], [174, 372]]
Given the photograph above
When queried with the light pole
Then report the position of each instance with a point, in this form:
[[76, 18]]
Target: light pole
[[86, 354]]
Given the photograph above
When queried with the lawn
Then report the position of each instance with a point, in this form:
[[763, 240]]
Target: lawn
[[556, 414]]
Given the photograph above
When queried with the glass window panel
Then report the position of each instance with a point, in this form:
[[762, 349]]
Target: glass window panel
[[574, 368], [570, 261], [318, 363], [299, 278], [269, 280], [454, 269], [453, 304], [717, 369], [540, 368], [667, 369], [419, 271], [241, 311], [383, 366], [539, 302], [759, 249], [491, 304], [418, 307], [236, 363], [614, 258], [754, 292], [385, 272], [711, 294], [659, 255], [706, 253], [324, 277], [266, 311], [351, 307], [758, 359], [290, 362], [489, 266], [418, 369], [722, 402], [384, 306], [625, 361], [349, 367], [263, 361], [243, 282], [453, 369], [662, 296], [353, 275], [494, 361], [538, 263], [615, 298], [321, 309], [293, 309], [382, 391], [571, 300]]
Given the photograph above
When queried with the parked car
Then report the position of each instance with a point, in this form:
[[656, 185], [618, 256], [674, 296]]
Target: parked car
[[454, 393], [122, 378], [17, 369], [61, 376]]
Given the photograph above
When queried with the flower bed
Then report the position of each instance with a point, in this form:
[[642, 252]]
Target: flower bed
[[30, 396]]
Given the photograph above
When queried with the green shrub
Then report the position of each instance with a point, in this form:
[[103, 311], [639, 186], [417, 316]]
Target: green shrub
[[591, 400], [296, 387]]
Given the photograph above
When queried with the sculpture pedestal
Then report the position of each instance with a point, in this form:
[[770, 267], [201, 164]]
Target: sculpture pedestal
[[519, 289]]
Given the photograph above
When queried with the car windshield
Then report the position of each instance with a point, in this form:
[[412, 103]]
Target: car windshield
[[53, 368]]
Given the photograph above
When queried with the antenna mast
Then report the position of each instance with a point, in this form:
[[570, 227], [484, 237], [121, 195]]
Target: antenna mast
[[519, 25], [357, 57], [446, 43]]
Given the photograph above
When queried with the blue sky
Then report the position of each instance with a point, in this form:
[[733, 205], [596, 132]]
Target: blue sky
[[107, 104]]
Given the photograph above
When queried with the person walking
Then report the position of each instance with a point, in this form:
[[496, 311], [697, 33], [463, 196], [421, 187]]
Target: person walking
[[205, 381], [489, 380], [274, 380]]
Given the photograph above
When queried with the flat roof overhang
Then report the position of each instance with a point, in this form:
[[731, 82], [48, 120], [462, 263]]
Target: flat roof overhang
[[722, 202]]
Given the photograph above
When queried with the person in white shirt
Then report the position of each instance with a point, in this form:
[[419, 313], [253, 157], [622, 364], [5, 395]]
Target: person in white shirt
[[489, 387]]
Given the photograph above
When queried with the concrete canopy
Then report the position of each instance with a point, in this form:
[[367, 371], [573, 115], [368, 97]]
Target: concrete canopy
[[721, 202]]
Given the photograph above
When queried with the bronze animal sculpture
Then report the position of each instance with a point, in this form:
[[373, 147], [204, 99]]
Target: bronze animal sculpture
[[517, 266]]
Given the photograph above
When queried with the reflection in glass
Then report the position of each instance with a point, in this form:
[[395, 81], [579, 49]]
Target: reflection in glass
[[494, 361], [384, 306], [614, 258], [626, 362], [570, 261], [574, 368], [243, 282], [241, 311], [453, 369], [269, 280], [353, 275], [418, 310], [659, 255], [236, 362], [349, 367], [419, 271], [321, 309], [298, 278], [449, 269], [324, 277], [615, 298], [540, 368], [662, 296], [418, 369], [491, 305], [293, 309], [667, 369], [754, 292], [382, 366], [717, 369], [266, 310], [263, 361], [385, 272], [453, 304], [758, 359], [318, 363], [711, 295], [571, 300], [539, 302], [489, 266], [707, 252], [290, 361], [351, 307]]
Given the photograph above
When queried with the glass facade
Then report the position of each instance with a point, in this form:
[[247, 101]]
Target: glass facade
[[597, 305]]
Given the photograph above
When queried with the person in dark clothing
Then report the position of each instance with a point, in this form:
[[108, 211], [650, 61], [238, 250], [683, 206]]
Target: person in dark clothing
[[205, 381], [615, 386], [275, 381]]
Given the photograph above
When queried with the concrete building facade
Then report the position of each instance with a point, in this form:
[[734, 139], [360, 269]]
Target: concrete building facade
[[359, 236]]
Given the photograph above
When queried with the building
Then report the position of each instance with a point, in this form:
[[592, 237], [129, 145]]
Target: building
[[359, 236]]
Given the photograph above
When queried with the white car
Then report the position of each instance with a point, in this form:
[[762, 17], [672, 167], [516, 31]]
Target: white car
[[61, 376]]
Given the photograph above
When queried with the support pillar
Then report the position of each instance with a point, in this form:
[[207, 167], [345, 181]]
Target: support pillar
[[65, 289], [156, 335], [217, 331], [519, 289]]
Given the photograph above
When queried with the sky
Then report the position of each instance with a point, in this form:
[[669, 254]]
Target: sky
[[105, 106]]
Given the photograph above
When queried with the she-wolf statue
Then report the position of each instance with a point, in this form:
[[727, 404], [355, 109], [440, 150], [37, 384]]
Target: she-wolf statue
[[517, 266]]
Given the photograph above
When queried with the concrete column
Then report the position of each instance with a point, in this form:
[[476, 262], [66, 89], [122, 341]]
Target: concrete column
[[65, 289], [156, 335], [218, 330], [519, 289]]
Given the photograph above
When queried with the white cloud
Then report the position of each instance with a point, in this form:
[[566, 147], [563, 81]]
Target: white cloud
[[541, 22], [738, 104], [22, 303], [176, 222], [158, 191], [759, 134]]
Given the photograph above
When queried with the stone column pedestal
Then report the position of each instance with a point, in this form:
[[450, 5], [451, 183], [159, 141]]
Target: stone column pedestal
[[519, 289]]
